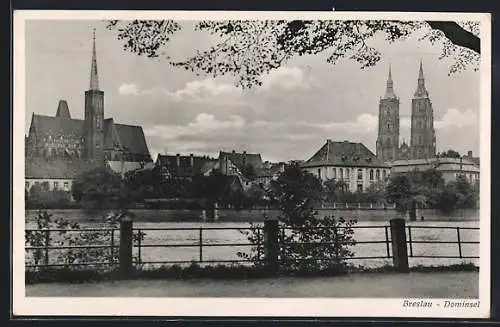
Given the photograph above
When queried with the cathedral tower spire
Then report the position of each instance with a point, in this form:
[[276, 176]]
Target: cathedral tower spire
[[94, 113], [94, 77], [423, 138], [421, 90], [388, 124], [389, 90]]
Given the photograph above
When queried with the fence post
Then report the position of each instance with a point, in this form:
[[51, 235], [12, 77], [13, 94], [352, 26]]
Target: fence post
[[399, 248], [271, 245], [47, 245], [126, 236]]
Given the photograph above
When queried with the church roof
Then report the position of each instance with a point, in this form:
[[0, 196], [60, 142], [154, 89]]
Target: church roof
[[46, 125], [346, 154], [130, 137], [63, 110], [56, 168]]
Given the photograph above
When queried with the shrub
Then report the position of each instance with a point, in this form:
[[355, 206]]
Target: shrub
[[306, 243], [88, 249]]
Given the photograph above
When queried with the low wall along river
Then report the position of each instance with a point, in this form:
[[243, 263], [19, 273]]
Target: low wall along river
[[232, 215]]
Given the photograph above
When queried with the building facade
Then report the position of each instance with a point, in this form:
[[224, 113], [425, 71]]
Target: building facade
[[64, 142], [450, 168], [352, 163]]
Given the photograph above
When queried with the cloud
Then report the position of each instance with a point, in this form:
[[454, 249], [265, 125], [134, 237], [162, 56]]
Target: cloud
[[202, 124], [194, 91], [285, 79], [364, 123], [128, 89], [456, 118]]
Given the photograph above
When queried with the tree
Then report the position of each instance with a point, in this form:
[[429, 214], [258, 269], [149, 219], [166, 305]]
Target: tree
[[449, 154], [334, 189], [296, 192], [98, 189], [249, 49]]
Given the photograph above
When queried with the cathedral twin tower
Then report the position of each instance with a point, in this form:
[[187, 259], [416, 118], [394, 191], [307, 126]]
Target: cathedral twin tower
[[423, 138]]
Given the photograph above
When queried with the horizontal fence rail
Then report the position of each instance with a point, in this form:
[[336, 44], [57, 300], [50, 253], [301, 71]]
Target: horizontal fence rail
[[50, 251]]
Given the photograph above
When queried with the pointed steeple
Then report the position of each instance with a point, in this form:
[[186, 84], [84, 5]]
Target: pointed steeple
[[389, 91], [94, 78], [421, 90]]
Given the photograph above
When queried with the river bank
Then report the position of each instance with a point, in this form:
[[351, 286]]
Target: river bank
[[380, 285], [255, 215]]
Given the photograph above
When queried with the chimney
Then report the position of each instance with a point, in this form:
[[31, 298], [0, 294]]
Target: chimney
[[469, 154], [191, 160], [178, 159], [233, 151]]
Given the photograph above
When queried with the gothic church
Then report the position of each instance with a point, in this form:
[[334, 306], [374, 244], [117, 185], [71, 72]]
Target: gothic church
[[423, 139], [56, 144]]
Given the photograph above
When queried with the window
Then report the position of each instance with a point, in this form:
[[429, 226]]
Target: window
[[66, 186], [334, 172], [319, 172], [360, 187], [27, 185], [341, 173], [383, 174], [371, 174], [55, 185], [377, 174], [360, 173], [347, 171], [388, 127]]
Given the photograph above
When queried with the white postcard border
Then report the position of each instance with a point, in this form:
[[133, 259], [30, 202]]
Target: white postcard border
[[287, 307]]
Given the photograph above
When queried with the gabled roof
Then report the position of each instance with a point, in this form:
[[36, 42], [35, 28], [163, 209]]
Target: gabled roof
[[63, 110], [46, 125], [132, 138], [201, 164], [344, 153], [240, 160], [56, 168]]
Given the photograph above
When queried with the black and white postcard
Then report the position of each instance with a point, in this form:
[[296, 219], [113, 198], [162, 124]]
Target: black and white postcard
[[298, 164]]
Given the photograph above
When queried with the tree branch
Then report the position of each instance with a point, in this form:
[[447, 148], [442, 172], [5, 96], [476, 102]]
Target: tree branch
[[457, 35]]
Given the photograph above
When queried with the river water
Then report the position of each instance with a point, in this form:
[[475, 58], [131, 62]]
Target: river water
[[191, 222]]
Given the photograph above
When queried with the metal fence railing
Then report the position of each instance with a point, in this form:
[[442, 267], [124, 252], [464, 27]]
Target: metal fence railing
[[59, 248]]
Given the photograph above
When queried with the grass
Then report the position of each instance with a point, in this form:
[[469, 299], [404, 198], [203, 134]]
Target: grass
[[217, 272]]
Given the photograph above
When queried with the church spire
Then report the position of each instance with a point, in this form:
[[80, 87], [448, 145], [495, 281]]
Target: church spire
[[94, 78], [421, 90], [389, 91]]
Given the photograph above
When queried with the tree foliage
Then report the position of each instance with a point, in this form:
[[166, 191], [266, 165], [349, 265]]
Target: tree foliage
[[249, 49], [306, 242], [428, 189], [98, 189], [296, 193], [449, 154]]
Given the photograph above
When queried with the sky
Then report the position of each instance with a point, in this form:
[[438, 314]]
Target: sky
[[298, 107]]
